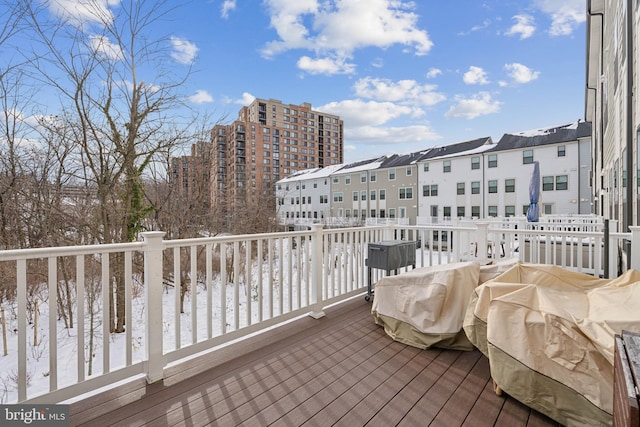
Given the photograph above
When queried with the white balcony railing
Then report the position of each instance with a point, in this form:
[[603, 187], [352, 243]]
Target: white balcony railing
[[183, 297]]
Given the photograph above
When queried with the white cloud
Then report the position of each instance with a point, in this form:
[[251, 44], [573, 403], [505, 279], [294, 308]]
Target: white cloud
[[391, 135], [565, 15], [79, 13], [227, 6], [475, 76], [101, 45], [433, 72], [469, 108], [524, 26], [335, 29], [325, 66], [359, 113], [521, 73], [246, 99], [184, 52], [377, 63], [201, 97], [402, 91]]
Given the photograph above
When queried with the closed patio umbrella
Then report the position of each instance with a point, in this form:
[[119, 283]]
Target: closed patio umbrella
[[534, 194]]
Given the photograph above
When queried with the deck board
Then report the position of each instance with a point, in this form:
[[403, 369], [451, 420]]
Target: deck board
[[339, 370]]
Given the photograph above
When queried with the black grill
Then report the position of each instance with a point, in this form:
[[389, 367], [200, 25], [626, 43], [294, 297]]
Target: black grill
[[389, 255]]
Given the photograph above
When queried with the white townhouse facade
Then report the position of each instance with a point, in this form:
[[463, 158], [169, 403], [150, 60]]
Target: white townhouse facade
[[471, 179], [351, 188], [451, 182], [492, 180], [305, 196], [611, 104]]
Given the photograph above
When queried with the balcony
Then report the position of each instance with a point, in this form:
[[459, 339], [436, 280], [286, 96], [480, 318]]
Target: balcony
[[294, 344]]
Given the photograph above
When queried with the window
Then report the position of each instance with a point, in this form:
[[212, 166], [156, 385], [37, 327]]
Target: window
[[347, 179], [392, 213], [562, 151], [405, 193], [475, 163], [373, 213], [547, 208], [460, 188], [475, 187], [409, 171], [547, 183], [355, 196], [493, 186], [493, 160], [372, 176], [475, 211], [392, 174], [562, 182], [527, 157], [324, 199], [382, 213], [336, 179], [382, 194], [363, 177], [509, 211], [426, 167], [446, 166], [372, 195], [525, 208], [460, 212], [363, 195], [509, 185], [337, 197], [493, 211], [430, 190], [446, 211]]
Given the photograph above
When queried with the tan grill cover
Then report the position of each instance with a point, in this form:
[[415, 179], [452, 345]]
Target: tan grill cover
[[426, 306], [549, 336]]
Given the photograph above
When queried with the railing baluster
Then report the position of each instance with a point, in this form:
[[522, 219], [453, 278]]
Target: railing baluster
[[194, 294], [80, 301], [209, 279], [128, 277], [177, 297], [53, 327], [107, 307], [260, 259], [223, 288], [236, 285], [21, 282], [247, 280]]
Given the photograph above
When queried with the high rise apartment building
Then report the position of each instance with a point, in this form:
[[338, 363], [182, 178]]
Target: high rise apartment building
[[268, 141]]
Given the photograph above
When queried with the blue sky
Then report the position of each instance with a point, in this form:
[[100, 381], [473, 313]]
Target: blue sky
[[403, 75]]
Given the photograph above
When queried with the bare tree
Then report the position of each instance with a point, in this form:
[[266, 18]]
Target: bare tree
[[122, 108]]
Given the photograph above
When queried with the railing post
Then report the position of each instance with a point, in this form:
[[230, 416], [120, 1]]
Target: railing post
[[481, 236], [635, 247], [316, 271], [613, 250], [389, 231], [153, 292]]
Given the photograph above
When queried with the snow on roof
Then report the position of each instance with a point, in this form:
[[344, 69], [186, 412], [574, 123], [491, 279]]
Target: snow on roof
[[312, 173], [480, 149], [361, 167], [547, 130]]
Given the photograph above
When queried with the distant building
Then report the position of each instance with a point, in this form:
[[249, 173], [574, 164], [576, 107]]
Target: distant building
[[190, 174], [268, 141], [611, 104], [471, 179]]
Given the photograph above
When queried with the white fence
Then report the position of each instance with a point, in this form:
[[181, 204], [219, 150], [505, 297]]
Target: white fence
[[183, 297]]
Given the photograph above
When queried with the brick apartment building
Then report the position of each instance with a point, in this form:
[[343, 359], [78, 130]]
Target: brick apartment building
[[268, 141]]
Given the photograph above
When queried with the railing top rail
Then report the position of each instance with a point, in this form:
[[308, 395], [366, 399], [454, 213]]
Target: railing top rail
[[59, 251]]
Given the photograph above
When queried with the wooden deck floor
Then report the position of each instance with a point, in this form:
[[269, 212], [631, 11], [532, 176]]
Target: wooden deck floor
[[339, 370]]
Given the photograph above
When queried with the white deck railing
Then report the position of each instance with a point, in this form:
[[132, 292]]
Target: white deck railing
[[231, 286]]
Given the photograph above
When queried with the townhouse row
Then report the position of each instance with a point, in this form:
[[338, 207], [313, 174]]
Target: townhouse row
[[471, 179]]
